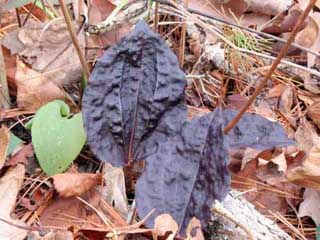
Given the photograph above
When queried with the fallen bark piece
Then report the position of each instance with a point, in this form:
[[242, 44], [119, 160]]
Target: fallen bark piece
[[245, 214]]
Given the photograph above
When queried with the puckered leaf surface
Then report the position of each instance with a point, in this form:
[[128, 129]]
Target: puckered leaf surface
[[255, 131], [134, 109], [135, 98], [187, 174]]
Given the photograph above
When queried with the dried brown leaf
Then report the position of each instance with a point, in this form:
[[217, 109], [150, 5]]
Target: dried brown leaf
[[276, 91], [10, 185], [253, 19], [194, 230], [310, 205], [75, 184], [63, 212], [271, 7], [284, 22], [286, 101], [4, 144], [313, 112], [164, 224], [307, 37], [307, 173], [264, 198], [47, 47], [114, 190], [219, 9], [52, 235], [280, 160], [34, 89], [99, 11], [21, 156], [306, 136]]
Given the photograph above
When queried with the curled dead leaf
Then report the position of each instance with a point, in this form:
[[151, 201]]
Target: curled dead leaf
[[313, 112], [310, 205], [194, 231], [75, 184], [280, 160], [163, 224], [307, 173], [286, 100], [306, 136], [308, 35], [10, 185], [271, 7], [114, 190], [284, 22]]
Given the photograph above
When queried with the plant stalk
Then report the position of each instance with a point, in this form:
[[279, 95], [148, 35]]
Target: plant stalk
[[74, 39]]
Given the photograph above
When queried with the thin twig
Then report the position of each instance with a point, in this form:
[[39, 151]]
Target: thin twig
[[183, 39], [156, 17], [4, 90], [282, 219], [274, 65], [105, 220], [29, 12], [74, 39], [18, 17]]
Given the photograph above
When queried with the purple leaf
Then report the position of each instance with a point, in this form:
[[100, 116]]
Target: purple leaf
[[256, 132], [134, 109], [135, 98], [187, 173]]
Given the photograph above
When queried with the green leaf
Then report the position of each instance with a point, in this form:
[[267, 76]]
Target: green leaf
[[11, 4], [14, 143], [318, 233], [56, 138]]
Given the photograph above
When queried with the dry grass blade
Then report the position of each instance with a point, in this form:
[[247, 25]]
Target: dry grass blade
[[282, 219]]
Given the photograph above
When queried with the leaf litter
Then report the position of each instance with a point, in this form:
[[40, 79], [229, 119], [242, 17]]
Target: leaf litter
[[265, 173]]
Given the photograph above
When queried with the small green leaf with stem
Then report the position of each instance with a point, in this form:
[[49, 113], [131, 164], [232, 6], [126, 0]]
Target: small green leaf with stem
[[57, 137]]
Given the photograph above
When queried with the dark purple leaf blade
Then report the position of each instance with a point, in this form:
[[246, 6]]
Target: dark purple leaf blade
[[135, 98], [186, 174], [255, 131]]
